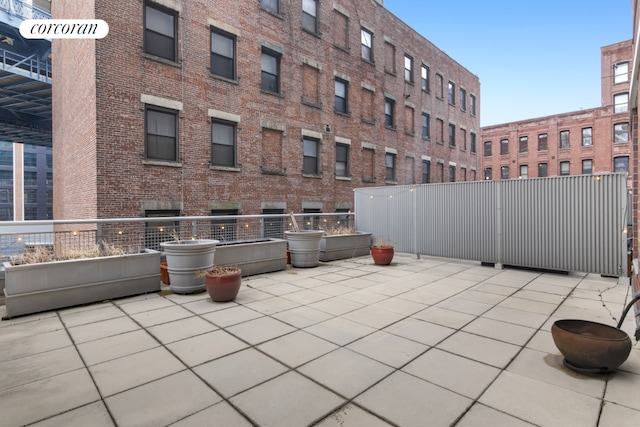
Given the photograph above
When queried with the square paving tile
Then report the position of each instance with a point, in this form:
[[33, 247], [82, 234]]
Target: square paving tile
[[102, 329], [297, 348], [375, 317], [482, 349], [352, 415], [260, 330], [285, 393], [306, 296], [541, 403], [42, 399], [516, 316], [203, 306], [115, 346], [614, 415], [240, 371], [302, 316], [220, 414], [181, 329], [131, 371], [144, 303], [336, 306], [409, 401], [203, 348], [90, 314], [346, 372], [461, 375], [524, 304], [94, 415], [34, 344], [400, 306], [340, 331], [273, 305], [387, 348], [161, 315], [623, 389], [501, 331], [420, 331], [444, 317], [231, 316], [465, 306], [480, 415], [163, 401], [15, 329]]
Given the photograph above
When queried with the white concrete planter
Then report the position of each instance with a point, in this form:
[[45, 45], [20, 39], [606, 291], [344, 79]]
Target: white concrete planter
[[253, 256], [304, 247], [32, 288], [185, 259], [343, 246]]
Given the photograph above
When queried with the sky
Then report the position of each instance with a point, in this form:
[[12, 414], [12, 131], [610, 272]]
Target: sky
[[534, 58]]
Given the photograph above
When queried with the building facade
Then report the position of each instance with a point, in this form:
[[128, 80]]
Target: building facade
[[248, 107], [589, 141]]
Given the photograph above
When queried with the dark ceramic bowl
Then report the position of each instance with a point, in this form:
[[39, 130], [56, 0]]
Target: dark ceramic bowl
[[589, 346]]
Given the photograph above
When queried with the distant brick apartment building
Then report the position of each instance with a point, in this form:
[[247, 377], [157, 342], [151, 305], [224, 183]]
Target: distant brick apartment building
[[252, 106], [589, 141]]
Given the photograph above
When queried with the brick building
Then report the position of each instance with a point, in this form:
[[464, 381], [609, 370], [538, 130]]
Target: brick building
[[250, 107], [595, 140]]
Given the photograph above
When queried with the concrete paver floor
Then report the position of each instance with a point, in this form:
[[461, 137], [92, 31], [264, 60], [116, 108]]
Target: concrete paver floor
[[427, 341]]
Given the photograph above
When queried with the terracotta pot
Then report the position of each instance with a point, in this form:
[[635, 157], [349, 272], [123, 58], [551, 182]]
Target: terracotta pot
[[223, 287], [164, 273], [382, 255]]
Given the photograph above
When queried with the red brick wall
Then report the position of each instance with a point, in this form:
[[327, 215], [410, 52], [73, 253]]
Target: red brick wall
[[126, 183]]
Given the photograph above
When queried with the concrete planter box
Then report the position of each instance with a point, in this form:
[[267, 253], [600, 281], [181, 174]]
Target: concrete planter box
[[253, 256], [32, 288], [343, 246]]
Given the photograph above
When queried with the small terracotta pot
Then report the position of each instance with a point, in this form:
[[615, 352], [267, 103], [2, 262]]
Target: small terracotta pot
[[223, 288], [164, 273], [382, 255]]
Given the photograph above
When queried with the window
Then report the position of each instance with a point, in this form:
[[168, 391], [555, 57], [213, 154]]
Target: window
[[223, 143], [368, 165], [452, 173], [587, 137], [488, 174], [273, 226], [31, 195], [310, 86], [621, 72], [542, 142], [368, 104], [452, 93], [342, 91], [621, 164], [30, 160], [472, 142], [389, 57], [452, 135], [6, 158], [366, 39], [542, 170], [439, 86], [389, 119], [426, 125], [160, 29], [310, 164], [270, 71], [224, 229], [161, 134], [487, 148], [340, 30], [408, 69], [409, 117], [463, 138], [426, 171], [6, 178], [342, 160], [524, 171], [621, 132], [310, 15], [564, 139], [424, 81], [621, 103], [30, 178], [156, 232], [587, 167], [504, 147], [310, 222], [523, 144], [390, 164], [223, 48], [565, 168], [272, 6], [463, 99], [504, 172], [440, 131], [472, 101]]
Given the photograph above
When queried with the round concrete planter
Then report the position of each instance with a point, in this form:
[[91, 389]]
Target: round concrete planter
[[185, 259], [304, 247]]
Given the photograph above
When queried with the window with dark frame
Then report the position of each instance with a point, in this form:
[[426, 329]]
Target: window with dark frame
[[161, 136], [310, 15], [524, 171], [504, 172], [310, 161], [452, 135], [223, 143], [273, 227], [270, 79], [565, 168], [439, 86], [587, 137], [472, 101], [439, 131], [487, 149], [488, 174], [342, 160], [463, 139], [223, 54], [523, 144], [366, 40], [426, 126], [426, 171], [472, 142], [587, 167], [160, 31], [463, 99], [272, 6], [564, 139], [542, 170], [341, 96], [452, 93], [390, 167], [621, 103], [621, 164], [389, 113], [452, 173], [620, 132], [408, 68], [542, 142], [224, 229], [424, 77], [504, 147]]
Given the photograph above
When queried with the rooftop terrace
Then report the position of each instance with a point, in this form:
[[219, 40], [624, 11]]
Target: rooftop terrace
[[428, 341]]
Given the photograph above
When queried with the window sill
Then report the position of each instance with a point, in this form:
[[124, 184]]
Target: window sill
[[409, 133], [342, 48], [343, 178], [427, 91], [367, 121], [222, 78], [311, 32], [167, 163], [270, 12], [273, 171], [368, 61], [588, 146], [161, 60], [391, 73], [440, 142], [390, 182], [268, 92], [224, 168], [391, 128], [309, 103], [340, 113], [426, 138], [409, 82], [369, 180], [311, 175]]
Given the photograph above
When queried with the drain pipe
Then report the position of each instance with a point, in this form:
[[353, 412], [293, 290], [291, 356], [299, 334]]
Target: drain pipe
[[624, 314]]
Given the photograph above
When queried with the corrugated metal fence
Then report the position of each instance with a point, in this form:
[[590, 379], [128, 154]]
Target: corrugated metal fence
[[569, 223]]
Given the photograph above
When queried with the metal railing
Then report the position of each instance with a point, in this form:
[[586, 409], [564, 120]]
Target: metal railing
[[23, 10], [28, 66], [135, 234]]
